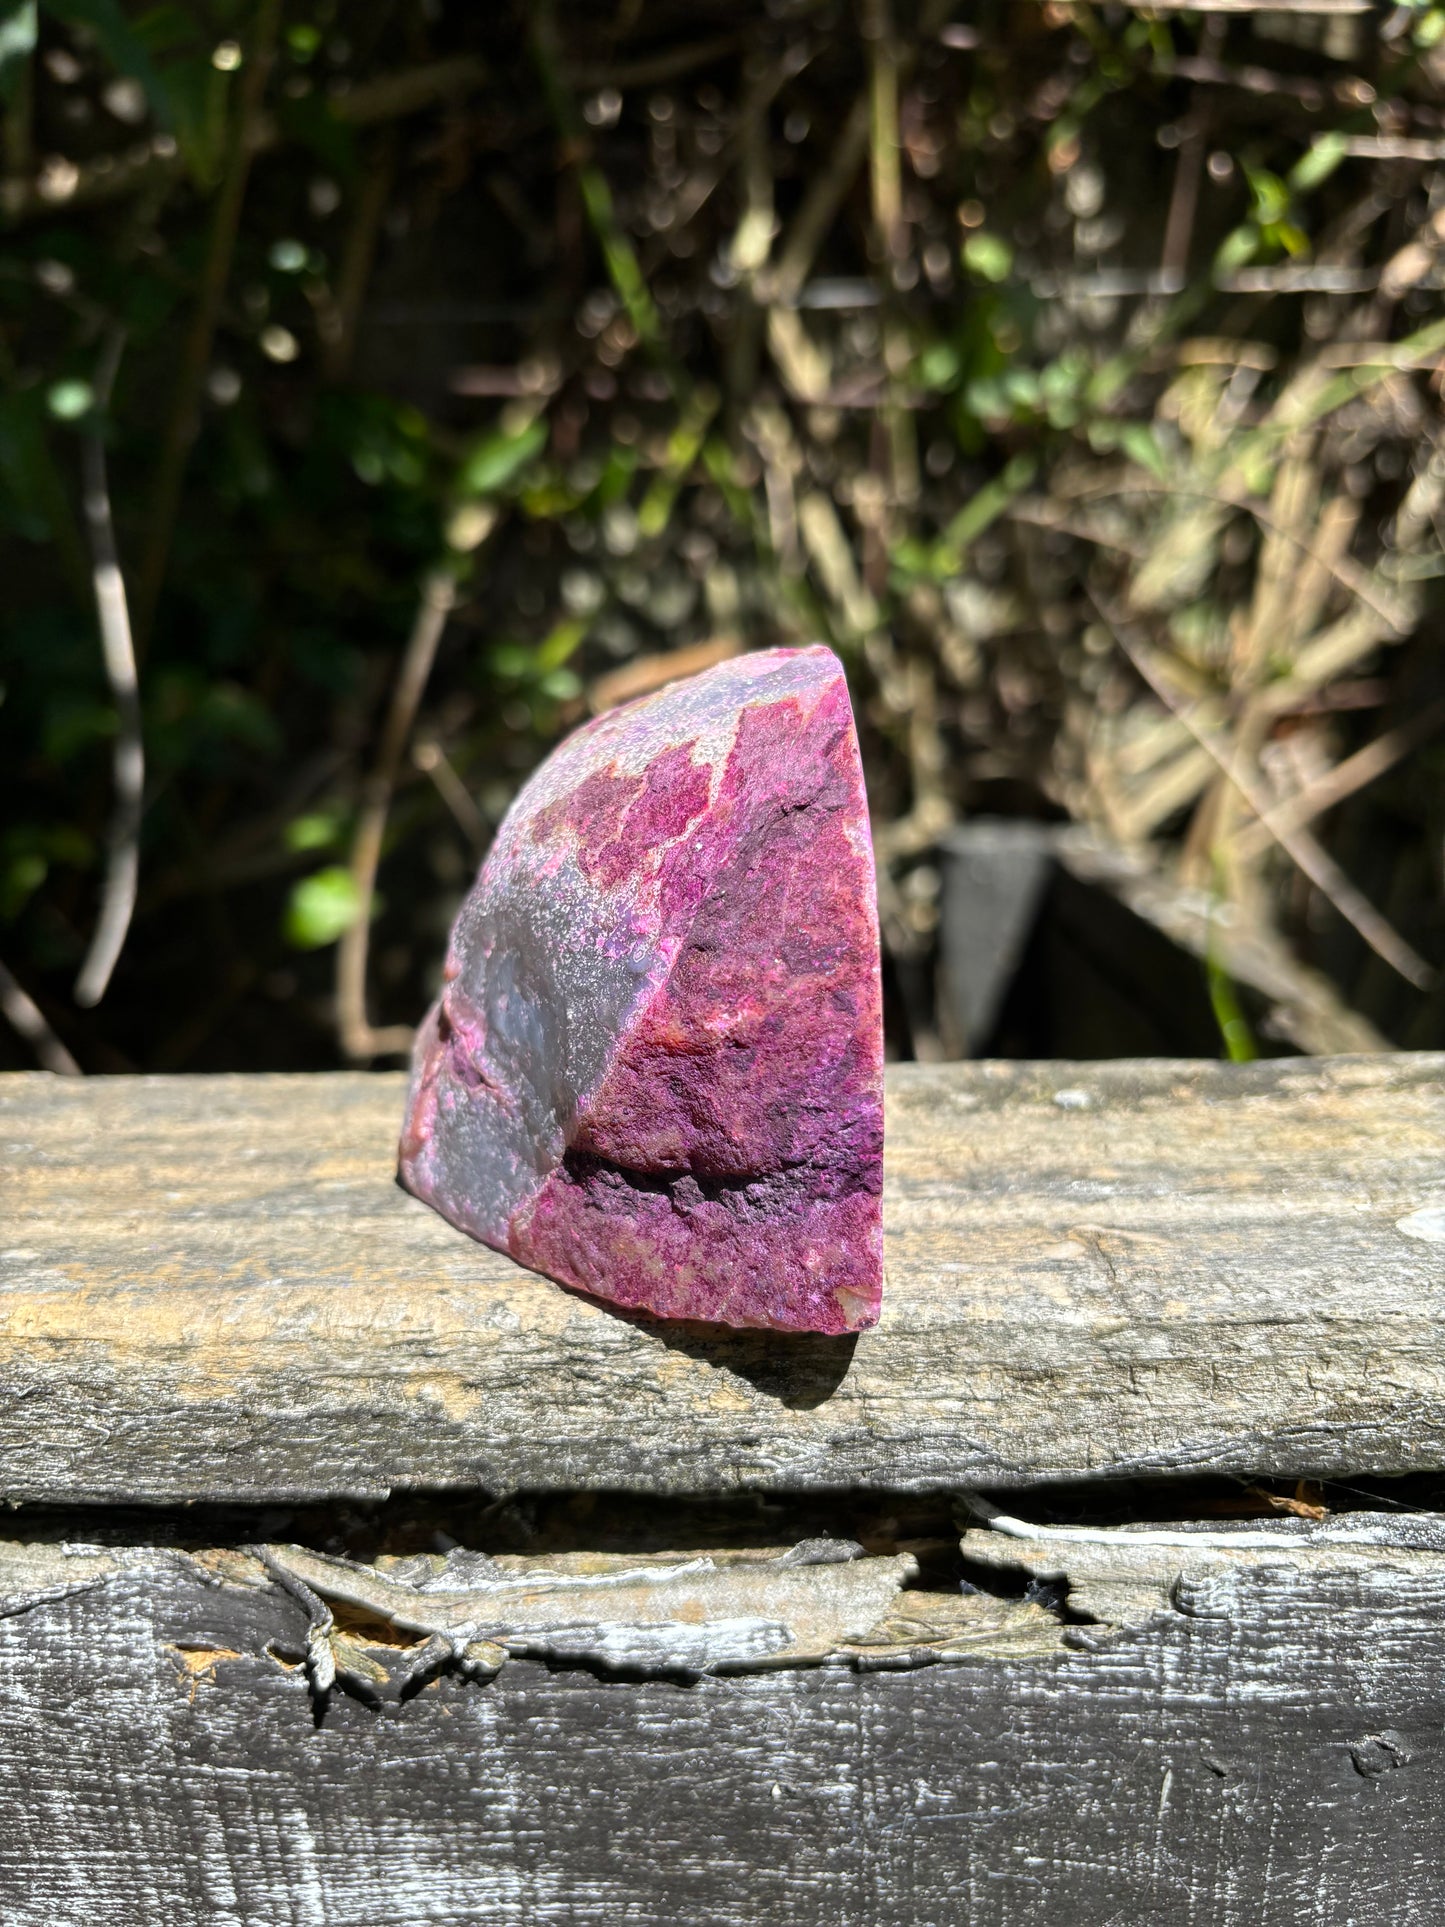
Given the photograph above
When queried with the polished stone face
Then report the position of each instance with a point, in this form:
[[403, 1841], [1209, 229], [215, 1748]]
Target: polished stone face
[[656, 1068]]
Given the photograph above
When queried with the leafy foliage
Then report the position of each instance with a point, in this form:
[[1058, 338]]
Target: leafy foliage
[[1071, 369]]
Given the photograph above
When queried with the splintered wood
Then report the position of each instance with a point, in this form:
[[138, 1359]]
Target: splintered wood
[[1240, 1729]]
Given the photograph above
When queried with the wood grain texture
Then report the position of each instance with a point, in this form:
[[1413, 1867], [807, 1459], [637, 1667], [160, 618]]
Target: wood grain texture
[[212, 1288], [1262, 1746]]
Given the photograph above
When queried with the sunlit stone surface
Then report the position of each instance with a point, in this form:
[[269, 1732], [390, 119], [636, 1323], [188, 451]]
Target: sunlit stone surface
[[656, 1068]]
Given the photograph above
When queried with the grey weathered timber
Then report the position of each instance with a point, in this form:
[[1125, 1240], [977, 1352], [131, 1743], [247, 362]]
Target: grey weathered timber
[[1249, 1732], [212, 1288]]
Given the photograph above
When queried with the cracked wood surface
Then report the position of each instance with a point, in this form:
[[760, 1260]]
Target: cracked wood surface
[[211, 1287], [1249, 1732]]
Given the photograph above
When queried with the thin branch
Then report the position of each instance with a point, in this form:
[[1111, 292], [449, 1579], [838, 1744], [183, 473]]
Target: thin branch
[[394, 96], [1345, 572], [357, 257], [1301, 848], [432, 760], [1391, 147], [890, 229], [1297, 7], [196, 354], [1408, 266], [1188, 174], [1246, 79], [358, 1039], [623, 267], [652, 70], [1353, 774], [782, 282], [28, 1020], [113, 616], [16, 130], [1284, 277], [157, 162], [884, 147], [818, 210], [752, 236], [1183, 205]]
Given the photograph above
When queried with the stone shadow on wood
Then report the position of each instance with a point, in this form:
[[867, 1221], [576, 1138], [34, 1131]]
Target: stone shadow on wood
[[801, 1370]]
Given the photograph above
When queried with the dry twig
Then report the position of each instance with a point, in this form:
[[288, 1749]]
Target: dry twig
[[1301, 848], [195, 359], [154, 164], [1353, 774], [1348, 574], [357, 257], [27, 1020], [358, 1039], [432, 760], [113, 615]]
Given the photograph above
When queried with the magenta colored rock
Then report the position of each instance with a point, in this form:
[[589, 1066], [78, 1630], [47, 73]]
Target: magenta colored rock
[[656, 1069]]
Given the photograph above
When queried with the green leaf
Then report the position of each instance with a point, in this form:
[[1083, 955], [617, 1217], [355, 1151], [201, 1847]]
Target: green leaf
[[1109, 379], [511, 660], [559, 647], [1063, 379], [317, 830], [69, 400], [1290, 236], [979, 514], [616, 477], [938, 366], [988, 256], [497, 459], [1237, 249], [683, 446], [1318, 164], [1271, 196], [1138, 443], [987, 399], [19, 880], [120, 44], [18, 24], [322, 908], [622, 263]]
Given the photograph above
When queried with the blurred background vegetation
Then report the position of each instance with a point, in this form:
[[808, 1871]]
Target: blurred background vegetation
[[392, 384]]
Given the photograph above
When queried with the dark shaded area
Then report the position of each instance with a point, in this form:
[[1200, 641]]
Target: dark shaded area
[[801, 1370], [1037, 962], [928, 1523]]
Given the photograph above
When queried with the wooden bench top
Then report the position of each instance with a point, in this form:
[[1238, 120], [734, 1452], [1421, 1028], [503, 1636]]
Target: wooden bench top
[[212, 1288]]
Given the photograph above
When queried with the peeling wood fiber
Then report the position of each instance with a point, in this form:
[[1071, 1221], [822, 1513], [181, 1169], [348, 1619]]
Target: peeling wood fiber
[[211, 1288], [1258, 1741]]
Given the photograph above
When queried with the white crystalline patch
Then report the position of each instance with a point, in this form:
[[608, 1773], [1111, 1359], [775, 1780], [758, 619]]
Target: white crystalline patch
[[1426, 1224], [1073, 1100]]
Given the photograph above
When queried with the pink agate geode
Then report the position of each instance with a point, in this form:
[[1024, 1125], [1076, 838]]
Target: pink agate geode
[[656, 1068]]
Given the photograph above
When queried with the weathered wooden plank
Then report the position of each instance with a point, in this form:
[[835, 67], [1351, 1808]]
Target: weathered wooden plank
[[1260, 1742], [212, 1288]]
